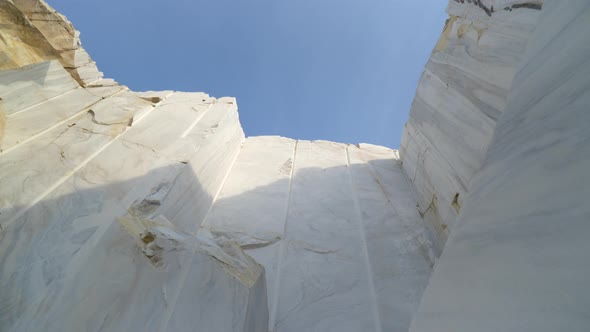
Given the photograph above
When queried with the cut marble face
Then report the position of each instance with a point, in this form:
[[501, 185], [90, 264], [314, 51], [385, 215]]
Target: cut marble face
[[345, 253], [459, 99]]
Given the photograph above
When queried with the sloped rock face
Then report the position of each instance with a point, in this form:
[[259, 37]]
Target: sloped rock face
[[336, 228], [460, 97]]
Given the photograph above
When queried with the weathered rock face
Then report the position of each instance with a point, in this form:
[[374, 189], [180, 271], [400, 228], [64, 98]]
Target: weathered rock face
[[459, 99], [76, 161]]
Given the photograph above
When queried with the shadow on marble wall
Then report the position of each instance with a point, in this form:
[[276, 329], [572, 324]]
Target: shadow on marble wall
[[67, 262], [67, 259], [322, 265]]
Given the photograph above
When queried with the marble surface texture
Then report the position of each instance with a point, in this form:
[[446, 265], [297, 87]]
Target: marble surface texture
[[517, 259], [353, 257], [459, 98], [77, 155]]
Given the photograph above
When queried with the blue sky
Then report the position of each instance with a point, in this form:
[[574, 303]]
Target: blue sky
[[338, 70]]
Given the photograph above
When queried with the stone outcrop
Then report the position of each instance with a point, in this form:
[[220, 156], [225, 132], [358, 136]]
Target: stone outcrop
[[36, 32]]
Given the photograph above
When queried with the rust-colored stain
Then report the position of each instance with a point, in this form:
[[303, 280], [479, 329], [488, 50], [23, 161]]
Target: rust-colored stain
[[20, 42], [446, 34]]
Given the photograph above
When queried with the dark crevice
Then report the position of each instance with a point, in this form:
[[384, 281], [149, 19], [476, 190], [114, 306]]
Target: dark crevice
[[529, 5], [490, 10]]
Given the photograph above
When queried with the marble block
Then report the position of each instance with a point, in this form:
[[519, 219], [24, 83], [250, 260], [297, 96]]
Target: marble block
[[517, 259], [166, 144], [460, 96]]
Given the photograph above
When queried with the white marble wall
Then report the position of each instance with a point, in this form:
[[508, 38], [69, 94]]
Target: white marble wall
[[517, 258], [27, 86], [76, 159], [330, 222], [460, 96], [400, 256], [339, 240]]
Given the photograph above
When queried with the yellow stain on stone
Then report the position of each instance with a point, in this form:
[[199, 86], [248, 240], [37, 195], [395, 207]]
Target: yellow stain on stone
[[2, 123], [466, 28], [21, 43], [446, 34], [117, 129]]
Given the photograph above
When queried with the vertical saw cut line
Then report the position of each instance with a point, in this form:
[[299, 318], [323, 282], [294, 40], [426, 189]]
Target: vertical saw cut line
[[406, 223], [281, 252], [196, 121], [363, 238]]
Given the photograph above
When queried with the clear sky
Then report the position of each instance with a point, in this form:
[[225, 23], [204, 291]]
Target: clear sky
[[338, 70]]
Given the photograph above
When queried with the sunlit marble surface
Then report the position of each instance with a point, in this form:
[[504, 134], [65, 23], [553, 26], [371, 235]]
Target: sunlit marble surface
[[75, 157], [80, 162], [54, 37], [60, 231]]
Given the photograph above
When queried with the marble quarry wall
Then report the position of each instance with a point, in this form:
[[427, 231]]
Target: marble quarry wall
[[460, 97], [516, 259], [34, 32], [151, 211]]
